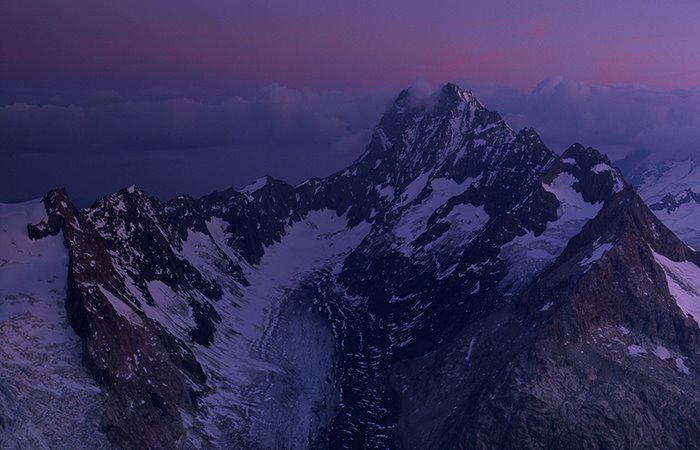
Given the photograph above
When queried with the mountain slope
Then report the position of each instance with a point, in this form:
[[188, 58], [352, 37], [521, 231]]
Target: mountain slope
[[407, 300], [596, 353]]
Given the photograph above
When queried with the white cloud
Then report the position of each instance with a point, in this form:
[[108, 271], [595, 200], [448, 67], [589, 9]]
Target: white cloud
[[615, 119]]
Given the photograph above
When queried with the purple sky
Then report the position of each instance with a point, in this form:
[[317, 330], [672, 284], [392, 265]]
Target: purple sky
[[184, 96]]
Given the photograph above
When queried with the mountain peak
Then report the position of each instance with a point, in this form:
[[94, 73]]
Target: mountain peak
[[449, 111], [257, 184], [452, 90], [129, 192], [515, 276], [415, 100], [586, 155], [445, 134]]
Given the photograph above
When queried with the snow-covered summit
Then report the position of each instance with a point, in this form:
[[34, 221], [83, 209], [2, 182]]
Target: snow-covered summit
[[291, 316]]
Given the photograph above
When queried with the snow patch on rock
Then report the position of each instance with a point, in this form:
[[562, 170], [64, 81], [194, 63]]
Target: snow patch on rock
[[528, 254], [254, 186], [635, 350], [464, 218], [681, 367], [598, 251], [683, 280], [662, 352]]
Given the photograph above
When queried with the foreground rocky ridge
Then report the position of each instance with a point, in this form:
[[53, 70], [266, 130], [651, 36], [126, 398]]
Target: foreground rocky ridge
[[117, 335], [597, 354], [458, 276]]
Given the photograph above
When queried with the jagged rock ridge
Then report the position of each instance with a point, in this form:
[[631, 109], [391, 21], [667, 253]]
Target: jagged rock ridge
[[444, 284]]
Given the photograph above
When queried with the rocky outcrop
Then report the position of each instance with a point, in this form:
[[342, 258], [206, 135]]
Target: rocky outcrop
[[150, 378], [596, 354], [467, 288]]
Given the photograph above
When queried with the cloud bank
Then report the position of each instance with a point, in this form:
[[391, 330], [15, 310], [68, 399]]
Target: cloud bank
[[277, 116], [617, 120], [169, 142]]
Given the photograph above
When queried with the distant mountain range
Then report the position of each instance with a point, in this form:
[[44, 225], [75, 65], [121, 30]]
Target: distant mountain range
[[459, 286], [671, 187]]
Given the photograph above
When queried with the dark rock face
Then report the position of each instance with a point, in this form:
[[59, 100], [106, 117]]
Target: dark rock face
[[467, 288], [54, 222], [556, 371], [143, 400]]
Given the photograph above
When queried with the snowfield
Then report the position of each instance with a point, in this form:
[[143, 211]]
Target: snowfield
[[270, 364], [528, 254], [47, 400], [683, 280]]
